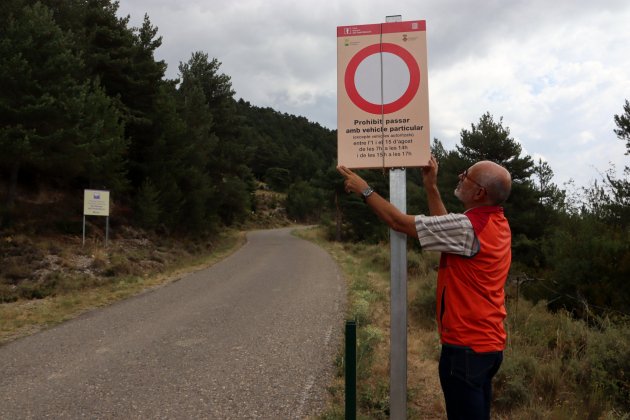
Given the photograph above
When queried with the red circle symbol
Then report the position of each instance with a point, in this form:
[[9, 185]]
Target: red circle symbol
[[372, 108]]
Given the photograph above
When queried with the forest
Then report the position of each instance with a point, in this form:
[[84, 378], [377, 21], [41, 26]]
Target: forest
[[85, 104]]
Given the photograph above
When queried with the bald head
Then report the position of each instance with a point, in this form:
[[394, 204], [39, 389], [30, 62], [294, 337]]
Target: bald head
[[495, 178]]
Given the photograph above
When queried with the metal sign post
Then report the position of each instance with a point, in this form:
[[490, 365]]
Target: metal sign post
[[398, 294], [398, 305], [96, 203]]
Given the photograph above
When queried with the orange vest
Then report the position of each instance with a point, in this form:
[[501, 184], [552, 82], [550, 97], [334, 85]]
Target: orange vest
[[470, 295]]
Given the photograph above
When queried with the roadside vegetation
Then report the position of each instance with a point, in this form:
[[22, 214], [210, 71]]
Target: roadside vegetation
[[555, 367]]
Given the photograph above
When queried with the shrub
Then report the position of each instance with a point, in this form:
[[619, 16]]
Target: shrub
[[423, 305], [360, 311], [513, 381], [560, 364], [368, 338], [608, 353], [374, 398]]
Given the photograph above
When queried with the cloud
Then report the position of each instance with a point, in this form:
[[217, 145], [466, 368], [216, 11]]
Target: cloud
[[555, 71]]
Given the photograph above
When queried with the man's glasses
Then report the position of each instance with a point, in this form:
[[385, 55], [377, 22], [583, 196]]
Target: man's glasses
[[465, 176]]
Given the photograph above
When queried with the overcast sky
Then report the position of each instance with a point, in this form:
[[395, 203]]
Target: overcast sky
[[556, 71]]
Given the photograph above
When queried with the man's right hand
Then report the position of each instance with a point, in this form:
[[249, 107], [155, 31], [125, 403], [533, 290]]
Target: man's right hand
[[429, 179], [429, 173]]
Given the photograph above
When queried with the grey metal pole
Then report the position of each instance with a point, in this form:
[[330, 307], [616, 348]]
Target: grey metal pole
[[398, 294], [398, 304]]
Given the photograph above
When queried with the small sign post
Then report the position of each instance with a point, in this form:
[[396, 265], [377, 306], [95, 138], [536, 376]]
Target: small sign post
[[96, 203]]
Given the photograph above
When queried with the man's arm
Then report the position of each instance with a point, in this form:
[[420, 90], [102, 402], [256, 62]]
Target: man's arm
[[385, 210], [429, 179]]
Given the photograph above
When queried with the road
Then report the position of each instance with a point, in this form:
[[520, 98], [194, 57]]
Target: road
[[254, 336]]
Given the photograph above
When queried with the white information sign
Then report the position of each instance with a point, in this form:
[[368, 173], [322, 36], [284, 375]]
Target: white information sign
[[96, 203]]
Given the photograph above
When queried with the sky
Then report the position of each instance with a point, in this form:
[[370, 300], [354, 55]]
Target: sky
[[556, 72]]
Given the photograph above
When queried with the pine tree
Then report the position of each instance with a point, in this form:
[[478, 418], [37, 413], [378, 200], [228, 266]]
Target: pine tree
[[490, 140], [40, 96], [228, 145], [623, 126], [102, 141]]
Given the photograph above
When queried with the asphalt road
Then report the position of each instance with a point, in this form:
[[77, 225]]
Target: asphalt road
[[254, 336]]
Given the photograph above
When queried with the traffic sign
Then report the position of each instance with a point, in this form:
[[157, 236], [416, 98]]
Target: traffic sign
[[382, 95]]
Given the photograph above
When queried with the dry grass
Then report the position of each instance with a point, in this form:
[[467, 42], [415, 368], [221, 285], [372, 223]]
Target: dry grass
[[95, 276], [367, 279]]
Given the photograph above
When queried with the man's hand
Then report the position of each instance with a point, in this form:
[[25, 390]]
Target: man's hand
[[353, 183], [388, 213], [429, 173], [429, 179]]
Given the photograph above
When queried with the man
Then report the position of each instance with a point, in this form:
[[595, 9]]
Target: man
[[476, 256]]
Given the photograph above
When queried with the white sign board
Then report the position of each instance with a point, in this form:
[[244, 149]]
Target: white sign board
[[382, 95], [96, 203]]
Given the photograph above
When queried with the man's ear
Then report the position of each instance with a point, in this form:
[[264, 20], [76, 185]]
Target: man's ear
[[481, 194]]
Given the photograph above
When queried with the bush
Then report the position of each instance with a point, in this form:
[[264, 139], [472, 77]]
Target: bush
[[608, 353], [589, 264], [235, 201], [557, 363], [423, 305], [512, 383], [368, 338]]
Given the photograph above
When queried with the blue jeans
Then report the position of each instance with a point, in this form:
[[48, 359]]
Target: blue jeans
[[466, 379]]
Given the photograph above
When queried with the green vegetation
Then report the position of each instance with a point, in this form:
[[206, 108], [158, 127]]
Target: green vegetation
[[86, 105], [557, 366]]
